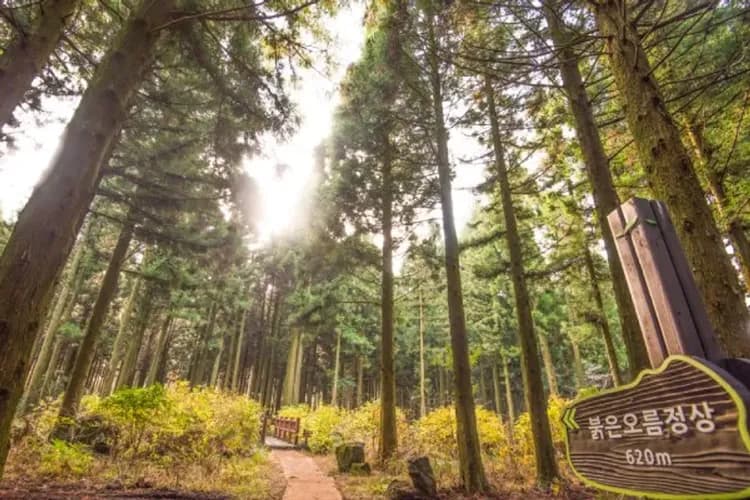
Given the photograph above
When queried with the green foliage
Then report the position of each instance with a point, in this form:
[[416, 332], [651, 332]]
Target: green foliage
[[62, 459], [134, 411]]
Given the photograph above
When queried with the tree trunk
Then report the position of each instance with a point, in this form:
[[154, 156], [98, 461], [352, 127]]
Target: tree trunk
[[472, 475], [360, 381], [666, 160], [28, 54], [126, 376], [49, 374], [388, 431], [336, 368], [482, 390], [422, 393], [238, 352], [544, 451], [213, 381], [602, 323], [121, 340], [600, 178], [508, 393], [549, 365], [290, 394], [67, 293], [580, 374], [47, 226], [732, 226], [496, 391], [161, 350], [199, 354], [86, 352]]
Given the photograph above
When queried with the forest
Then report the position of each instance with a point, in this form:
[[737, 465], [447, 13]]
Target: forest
[[148, 333]]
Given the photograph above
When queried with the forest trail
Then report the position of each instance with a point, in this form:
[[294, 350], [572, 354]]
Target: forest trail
[[305, 480]]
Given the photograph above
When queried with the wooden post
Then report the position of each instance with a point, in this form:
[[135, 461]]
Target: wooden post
[[671, 314]]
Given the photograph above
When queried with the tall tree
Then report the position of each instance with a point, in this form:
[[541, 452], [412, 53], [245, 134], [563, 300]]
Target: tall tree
[[544, 452], [664, 158], [599, 175], [74, 391], [24, 59], [473, 477], [47, 226]]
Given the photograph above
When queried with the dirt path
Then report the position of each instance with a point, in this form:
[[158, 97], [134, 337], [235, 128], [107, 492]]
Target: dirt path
[[305, 481]]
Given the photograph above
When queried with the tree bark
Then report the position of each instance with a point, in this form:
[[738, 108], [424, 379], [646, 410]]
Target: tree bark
[[52, 365], [161, 350], [482, 390], [508, 394], [121, 340], [388, 432], [544, 451], [360, 381], [28, 54], [496, 391], [732, 226], [126, 375], [217, 361], [600, 179], [336, 368], [549, 365], [580, 374], [290, 395], [473, 478], [74, 391], [47, 226], [422, 393], [602, 323], [67, 293], [238, 351], [665, 160]]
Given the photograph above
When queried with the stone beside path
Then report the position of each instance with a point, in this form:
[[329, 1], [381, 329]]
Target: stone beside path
[[305, 480]]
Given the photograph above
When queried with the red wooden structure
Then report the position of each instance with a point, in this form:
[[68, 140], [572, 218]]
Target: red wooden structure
[[286, 429]]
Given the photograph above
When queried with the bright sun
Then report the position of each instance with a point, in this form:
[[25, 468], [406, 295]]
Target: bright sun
[[281, 191]]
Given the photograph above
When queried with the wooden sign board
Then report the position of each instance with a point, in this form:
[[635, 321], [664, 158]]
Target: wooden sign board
[[679, 431]]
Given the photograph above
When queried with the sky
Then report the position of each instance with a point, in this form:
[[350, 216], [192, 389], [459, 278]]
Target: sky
[[282, 196]]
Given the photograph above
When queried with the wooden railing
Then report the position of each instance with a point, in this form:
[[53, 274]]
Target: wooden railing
[[286, 429]]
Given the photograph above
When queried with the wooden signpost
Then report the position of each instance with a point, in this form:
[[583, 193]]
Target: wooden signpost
[[679, 430]]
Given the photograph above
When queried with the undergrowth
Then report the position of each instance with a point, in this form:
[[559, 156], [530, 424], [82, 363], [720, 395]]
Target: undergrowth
[[507, 453], [174, 437]]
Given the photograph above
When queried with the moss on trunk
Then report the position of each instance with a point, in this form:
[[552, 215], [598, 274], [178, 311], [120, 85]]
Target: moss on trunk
[[665, 159]]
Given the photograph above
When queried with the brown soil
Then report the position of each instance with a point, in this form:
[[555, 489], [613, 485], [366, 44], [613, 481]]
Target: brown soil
[[373, 487], [55, 491]]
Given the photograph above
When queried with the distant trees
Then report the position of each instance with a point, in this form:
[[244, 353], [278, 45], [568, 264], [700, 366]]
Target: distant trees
[[379, 180]]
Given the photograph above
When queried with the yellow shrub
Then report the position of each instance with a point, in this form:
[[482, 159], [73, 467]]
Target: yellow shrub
[[523, 442], [436, 432], [321, 423], [62, 459], [363, 424], [295, 411]]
